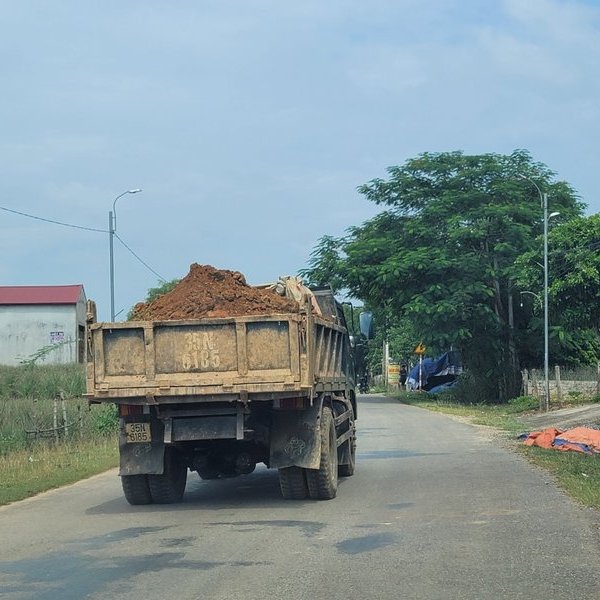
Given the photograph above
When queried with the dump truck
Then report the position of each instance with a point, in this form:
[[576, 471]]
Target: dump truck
[[217, 396]]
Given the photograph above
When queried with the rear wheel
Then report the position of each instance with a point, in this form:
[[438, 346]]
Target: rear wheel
[[169, 487], [292, 481], [136, 489], [322, 482]]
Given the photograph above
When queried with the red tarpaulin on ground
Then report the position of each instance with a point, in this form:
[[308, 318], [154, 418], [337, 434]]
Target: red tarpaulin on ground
[[579, 439]]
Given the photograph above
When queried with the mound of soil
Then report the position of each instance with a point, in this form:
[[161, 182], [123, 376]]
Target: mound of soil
[[209, 292]]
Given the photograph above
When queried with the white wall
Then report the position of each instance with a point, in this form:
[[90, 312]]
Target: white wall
[[24, 329]]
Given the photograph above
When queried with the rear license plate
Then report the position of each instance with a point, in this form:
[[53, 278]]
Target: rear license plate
[[138, 432]]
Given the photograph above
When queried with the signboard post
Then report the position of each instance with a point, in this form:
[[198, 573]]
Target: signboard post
[[420, 350]]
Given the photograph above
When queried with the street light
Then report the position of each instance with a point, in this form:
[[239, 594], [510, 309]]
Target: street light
[[531, 293], [544, 203], [112, 226]]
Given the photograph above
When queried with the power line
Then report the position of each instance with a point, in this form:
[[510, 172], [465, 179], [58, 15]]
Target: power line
[[16, 212], [136, 256]]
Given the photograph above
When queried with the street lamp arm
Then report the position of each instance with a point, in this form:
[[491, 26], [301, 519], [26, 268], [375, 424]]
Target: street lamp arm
[[135, 191], [537, 187], [537, 296]]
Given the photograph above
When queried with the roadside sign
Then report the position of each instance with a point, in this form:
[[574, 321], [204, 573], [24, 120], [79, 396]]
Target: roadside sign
[[393, 373], [420, 349]]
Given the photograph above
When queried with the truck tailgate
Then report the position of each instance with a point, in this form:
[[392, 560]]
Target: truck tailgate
[[208, 356]]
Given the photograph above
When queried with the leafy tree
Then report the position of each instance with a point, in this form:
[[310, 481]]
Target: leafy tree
[[574, 291], [326, 265], [154, 293], [443, 253]]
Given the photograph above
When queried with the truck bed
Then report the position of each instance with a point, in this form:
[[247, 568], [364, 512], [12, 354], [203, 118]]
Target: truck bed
[[262, 357]]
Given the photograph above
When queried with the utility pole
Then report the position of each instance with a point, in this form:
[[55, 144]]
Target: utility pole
[[112, 226]]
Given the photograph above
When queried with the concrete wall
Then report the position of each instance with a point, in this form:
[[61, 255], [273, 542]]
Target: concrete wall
[[25, 329]]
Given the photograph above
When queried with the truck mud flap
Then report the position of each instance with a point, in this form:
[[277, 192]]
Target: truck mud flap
[[142, 458], [296, 439]]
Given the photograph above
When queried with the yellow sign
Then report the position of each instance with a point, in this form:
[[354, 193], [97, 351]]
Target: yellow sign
[[420, 349]]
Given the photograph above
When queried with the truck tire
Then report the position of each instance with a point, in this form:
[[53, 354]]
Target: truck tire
[[322, 482], [136, 489], [292, 481], [168, 488]]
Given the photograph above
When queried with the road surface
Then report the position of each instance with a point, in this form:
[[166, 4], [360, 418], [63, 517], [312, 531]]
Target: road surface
[[437, 509]]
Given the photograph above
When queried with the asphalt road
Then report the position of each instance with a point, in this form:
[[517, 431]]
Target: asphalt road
[[437, 509]]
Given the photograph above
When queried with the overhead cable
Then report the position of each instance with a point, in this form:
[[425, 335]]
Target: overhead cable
[[16, 212], [136, 256]]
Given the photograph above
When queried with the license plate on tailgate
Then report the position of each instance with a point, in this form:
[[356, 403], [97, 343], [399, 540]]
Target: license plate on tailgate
[[138, 432]]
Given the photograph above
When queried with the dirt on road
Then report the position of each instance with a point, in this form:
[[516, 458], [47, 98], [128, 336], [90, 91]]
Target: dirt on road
[[209, 292], [587, 415]]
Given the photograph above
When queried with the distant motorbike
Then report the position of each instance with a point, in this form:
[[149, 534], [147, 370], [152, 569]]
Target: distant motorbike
[[363, 386]]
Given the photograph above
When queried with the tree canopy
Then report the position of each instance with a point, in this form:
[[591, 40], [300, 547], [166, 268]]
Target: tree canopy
[[155, 292], [574, 290], [443, 253]]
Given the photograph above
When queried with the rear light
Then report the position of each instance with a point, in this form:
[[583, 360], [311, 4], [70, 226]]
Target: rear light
[[126, 410]]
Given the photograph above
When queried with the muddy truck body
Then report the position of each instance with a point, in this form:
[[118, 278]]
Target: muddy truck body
[[219, 395]]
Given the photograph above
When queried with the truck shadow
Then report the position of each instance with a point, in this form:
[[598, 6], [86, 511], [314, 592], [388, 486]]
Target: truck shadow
[[257, 490], [375, 399]]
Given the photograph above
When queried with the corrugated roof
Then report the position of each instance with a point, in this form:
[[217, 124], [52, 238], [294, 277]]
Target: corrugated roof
[[40, 294]]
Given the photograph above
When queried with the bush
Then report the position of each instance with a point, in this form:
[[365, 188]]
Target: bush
[[471, 389], [523, 403], [106, 418]]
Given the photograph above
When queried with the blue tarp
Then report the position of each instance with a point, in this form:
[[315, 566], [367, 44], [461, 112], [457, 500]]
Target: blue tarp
[[435, 374]]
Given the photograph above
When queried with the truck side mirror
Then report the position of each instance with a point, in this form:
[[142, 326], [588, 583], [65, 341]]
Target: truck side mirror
[[365, 320]]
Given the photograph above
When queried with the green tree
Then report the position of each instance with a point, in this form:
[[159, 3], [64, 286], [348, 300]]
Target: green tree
[[574, 291], [154, 293], [326, 265], [443, 253]]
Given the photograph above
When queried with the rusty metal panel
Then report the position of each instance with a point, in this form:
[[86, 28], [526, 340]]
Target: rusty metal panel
[[124, 352], [196, 348], [150, 356], [255, 355], [294, 337], [240, 329], [204, 428], [268, 345]]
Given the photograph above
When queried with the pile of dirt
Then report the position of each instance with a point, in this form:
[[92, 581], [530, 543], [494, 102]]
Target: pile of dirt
[[209, 292]]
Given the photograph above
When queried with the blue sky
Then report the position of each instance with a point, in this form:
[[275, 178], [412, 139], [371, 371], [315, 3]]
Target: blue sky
[[249, 124]]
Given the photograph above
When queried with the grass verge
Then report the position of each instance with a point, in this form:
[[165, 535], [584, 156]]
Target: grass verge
[[24, 473], [577, 474]]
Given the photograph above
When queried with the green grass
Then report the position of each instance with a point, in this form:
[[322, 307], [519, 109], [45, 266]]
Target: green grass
[[41, 381], [577, 474], [499, 416], [47, 466], [33, 456]]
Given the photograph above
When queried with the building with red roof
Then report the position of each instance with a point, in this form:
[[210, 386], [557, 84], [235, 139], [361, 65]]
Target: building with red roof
[[42, 320]]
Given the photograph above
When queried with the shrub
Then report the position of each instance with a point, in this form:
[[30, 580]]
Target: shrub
[[106, 418]]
